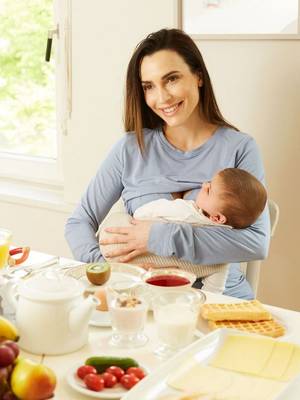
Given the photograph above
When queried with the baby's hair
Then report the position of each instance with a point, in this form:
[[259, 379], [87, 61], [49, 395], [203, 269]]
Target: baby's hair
[[243, 197]]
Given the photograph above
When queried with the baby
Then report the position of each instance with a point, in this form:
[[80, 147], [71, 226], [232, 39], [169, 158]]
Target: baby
[[232, 199]]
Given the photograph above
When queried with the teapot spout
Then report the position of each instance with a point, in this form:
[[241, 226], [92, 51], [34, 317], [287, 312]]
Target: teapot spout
[[80, 314]]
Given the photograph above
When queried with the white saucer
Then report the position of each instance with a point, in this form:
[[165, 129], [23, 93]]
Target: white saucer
[[77, 384], [114, 277], [100, 318]]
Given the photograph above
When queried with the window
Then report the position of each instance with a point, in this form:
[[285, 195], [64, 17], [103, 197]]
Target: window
[[27, 83], [29, 134]]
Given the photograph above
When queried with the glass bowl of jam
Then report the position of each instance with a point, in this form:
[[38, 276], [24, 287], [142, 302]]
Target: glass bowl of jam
[[169, 277], [160, 280]]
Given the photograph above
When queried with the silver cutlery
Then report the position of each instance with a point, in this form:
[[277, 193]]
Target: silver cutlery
[[26, 272]]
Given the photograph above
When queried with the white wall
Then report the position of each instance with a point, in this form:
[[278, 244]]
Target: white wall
[[258, 87]]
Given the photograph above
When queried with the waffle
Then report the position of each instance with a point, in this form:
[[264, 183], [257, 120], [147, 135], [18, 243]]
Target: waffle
[[245, 311], [270, 328]]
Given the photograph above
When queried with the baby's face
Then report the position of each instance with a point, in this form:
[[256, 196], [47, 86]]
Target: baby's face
[[208, 198]]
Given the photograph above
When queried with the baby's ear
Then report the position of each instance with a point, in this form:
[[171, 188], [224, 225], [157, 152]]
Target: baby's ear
[[218, 218]]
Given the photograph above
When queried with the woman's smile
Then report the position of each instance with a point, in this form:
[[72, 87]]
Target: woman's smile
[[171, 110]]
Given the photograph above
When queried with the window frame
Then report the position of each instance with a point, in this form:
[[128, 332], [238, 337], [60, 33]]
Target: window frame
[[42, 169]]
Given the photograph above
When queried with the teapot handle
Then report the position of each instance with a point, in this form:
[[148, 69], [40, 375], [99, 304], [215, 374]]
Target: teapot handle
[[16, 261]]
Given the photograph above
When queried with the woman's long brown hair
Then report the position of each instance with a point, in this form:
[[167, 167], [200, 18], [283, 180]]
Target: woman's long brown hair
[[137, 114]]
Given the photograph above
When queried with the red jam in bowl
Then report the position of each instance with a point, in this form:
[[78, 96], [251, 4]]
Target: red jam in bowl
[[168, 280]]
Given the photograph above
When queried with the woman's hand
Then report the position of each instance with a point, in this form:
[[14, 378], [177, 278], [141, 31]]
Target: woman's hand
[[134, 237]]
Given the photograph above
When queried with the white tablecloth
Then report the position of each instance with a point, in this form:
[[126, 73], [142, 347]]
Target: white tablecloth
[[99, 337]]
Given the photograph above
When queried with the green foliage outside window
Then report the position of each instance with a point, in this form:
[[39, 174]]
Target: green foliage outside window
[[27, 82]]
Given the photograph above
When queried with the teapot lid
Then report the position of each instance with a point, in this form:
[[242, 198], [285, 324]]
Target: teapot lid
[[51, 286]]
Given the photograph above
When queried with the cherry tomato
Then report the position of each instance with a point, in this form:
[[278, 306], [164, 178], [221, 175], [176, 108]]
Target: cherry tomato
[[84, 370], [129, 380], [94, 382], [109, 379], [116, 371], [138, 372]]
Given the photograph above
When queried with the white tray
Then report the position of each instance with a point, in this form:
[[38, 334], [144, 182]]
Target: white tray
[[154, 385]]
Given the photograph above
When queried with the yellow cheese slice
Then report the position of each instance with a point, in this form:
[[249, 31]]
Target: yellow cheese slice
[[245, 367], [279, 361], [248, 387], [244, 353], [200, 378], [221, 384], [294, 365]]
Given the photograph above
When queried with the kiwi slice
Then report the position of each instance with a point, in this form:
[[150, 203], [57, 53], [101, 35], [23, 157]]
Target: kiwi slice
[[98, 273]]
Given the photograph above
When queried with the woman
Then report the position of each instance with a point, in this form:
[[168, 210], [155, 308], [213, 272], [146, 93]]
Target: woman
[[177, 140]]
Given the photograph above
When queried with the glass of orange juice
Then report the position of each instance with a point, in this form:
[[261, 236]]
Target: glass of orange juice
[[5, 241]]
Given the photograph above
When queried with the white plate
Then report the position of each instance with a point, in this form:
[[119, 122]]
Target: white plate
[[77, 384], [155, 386], [109, 393], [119, 272], [100, 318], [78, 272], [115, 276]]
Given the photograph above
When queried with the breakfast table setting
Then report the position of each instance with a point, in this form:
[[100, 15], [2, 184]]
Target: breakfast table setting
[[57, 306]]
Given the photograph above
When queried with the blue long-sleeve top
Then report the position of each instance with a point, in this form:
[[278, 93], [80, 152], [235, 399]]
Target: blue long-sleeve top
[[162, 170]]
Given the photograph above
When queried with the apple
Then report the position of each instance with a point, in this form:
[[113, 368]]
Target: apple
[[30, 380]]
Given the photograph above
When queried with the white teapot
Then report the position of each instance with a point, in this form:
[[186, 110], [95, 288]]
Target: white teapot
[[52, 315]]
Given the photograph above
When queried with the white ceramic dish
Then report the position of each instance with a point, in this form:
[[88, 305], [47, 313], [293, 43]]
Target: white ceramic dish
[[110, 393], [115, 276], [154, 386], [120, 272], [78, 272], [77, 384], [101, 319]]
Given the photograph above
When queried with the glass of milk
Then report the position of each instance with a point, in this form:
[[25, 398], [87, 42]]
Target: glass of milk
[[128, 313], [176, 314]]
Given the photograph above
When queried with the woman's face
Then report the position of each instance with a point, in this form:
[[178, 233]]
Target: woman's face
[[171, 90]]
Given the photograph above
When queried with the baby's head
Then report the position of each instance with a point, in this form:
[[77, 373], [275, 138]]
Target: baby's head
[[233, 197]]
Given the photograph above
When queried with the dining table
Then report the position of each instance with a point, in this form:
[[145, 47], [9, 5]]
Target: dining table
[[99, 336]]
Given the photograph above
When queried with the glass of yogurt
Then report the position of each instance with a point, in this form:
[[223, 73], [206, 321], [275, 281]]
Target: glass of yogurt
[[128, 313], [176, 314]]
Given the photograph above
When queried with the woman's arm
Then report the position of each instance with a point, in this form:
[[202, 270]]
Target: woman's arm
[[202, 245], [102, 192], [211, 245]]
